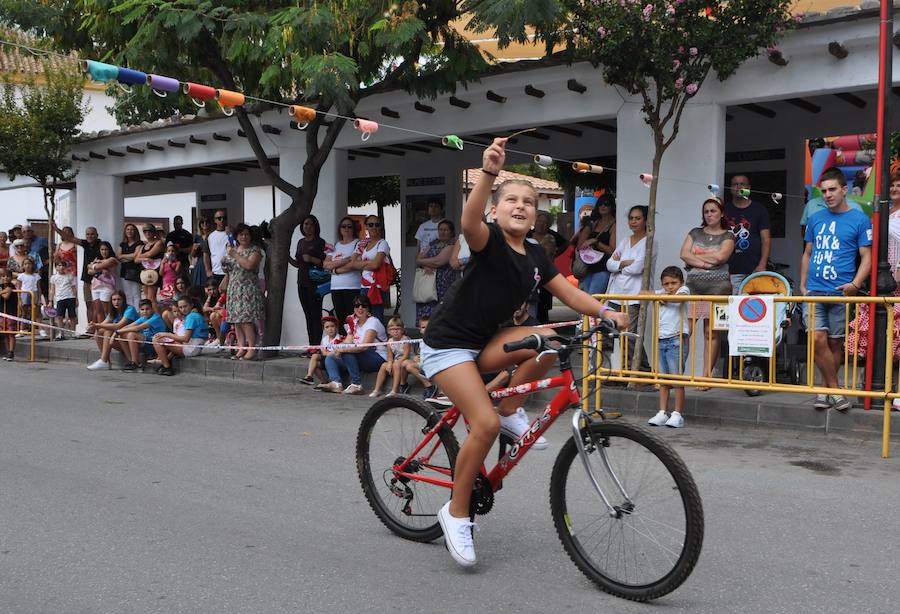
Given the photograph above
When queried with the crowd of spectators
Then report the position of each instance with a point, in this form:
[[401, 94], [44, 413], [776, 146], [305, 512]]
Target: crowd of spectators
[[158, 296]]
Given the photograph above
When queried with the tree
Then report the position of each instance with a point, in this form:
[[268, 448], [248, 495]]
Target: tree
[[39, 123], [660, 50], [383, 191], [312, 53]]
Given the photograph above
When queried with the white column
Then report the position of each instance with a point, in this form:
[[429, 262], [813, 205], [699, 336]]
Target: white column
[[696, 158], [101, 204], [98, 201], [329, 206]]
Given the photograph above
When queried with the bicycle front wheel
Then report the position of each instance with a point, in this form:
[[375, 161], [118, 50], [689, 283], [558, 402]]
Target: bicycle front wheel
[[390, 431], [650, 545]]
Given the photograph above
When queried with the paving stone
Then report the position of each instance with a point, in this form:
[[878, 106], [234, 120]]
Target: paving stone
[[248, 370], [220, 368], [282, 371]]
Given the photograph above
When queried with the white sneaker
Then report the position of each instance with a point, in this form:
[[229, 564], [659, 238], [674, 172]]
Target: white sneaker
[[98, 365], [676, 420], [517, 424], [332, 387], [896, 404], [353, 389], [659, 419], [374, 394], [42, 333], [458, 536]]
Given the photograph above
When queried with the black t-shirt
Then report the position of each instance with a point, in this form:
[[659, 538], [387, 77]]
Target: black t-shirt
[[9, 306], [183, 239], [746, 225], [495, 288], [91, 253], [130, 270], [314, 247]]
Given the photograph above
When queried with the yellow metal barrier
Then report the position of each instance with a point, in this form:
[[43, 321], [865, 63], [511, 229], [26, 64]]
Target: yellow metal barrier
[[624, 373], [27, 312]]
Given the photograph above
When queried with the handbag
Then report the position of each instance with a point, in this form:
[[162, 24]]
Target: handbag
[[424, 287], [318, 275], [579, 267]]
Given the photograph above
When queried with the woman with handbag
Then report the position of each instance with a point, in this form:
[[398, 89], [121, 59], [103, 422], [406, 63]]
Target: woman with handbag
[[373, 259], [434, 274], [594, 245], [149, 257], [129, 269], [309, 258]]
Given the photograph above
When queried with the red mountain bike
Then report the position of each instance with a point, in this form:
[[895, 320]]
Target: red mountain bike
[[628, 513]]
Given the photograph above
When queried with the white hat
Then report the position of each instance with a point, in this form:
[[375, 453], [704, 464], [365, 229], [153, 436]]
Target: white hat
[[18, 242]]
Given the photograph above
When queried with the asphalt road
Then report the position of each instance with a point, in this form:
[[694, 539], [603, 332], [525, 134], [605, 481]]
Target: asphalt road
[[138, 493]]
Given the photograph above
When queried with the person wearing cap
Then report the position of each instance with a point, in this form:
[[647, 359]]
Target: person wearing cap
[[750, 225], [15, 232], [18, 256], [38, 243]]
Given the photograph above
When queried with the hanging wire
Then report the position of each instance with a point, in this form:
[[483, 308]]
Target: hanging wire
[[431, 135]]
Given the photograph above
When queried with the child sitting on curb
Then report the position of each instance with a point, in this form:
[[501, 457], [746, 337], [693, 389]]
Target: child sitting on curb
[[398, 353], [317, 360]]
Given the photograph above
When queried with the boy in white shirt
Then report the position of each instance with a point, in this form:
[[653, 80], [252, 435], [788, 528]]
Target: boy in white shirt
[[63, 294], [674, 345]]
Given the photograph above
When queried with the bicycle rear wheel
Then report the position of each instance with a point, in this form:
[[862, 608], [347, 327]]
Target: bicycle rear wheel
[[390, 431], [653, 543]]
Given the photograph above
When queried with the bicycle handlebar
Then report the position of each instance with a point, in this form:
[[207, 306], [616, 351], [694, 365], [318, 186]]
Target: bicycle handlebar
[[538, 342]]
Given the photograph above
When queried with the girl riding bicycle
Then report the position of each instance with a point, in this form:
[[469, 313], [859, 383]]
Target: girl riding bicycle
[[480, 313]]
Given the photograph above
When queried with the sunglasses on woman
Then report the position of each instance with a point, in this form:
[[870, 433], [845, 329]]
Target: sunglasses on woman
[[373, 225], [347, 226]]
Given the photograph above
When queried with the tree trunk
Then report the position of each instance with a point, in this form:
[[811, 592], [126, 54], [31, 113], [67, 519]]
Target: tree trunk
[[279, 249], [646, 278]]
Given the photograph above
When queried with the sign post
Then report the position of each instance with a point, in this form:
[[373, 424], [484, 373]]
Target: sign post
[[750, 321]]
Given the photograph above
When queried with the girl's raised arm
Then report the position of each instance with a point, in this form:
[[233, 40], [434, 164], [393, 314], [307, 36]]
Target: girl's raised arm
[[473, 226]]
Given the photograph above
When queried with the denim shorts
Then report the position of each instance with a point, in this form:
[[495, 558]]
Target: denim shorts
[[434, 361], [668, 354], [829, 316]]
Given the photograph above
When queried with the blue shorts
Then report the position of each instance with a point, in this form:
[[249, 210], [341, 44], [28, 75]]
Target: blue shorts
[[829, 316], [668, 354], [434, 361]]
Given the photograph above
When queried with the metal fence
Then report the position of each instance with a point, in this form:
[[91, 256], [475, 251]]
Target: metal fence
[[787, 370]]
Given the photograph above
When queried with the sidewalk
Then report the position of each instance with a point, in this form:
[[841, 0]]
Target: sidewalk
[[717, 407]]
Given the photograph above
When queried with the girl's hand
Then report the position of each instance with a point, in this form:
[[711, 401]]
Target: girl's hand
[[494, 156], [616, 255]]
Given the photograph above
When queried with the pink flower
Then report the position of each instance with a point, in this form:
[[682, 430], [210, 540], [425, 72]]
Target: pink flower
[[647, 11], [601, 31], [676, 64], [692, 88], [693, 51], [679, 82], [681, 49]]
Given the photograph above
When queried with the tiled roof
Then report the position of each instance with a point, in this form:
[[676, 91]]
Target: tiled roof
[[541, 185], [15, 61]]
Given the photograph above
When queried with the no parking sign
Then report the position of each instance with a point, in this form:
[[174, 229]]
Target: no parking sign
[[750, 321]]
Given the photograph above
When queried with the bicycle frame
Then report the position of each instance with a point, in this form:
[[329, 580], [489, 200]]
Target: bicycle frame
[[566, 398]]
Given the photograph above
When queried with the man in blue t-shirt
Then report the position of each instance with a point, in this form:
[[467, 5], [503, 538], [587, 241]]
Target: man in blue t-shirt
[[834, 238]]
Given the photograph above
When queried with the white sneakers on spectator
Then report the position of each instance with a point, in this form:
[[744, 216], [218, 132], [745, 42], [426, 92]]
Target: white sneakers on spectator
[[98, 365], [515, 426], [458, 536], [823, 401], [675, 420], [332, 387], [659, 419], [353, 389]]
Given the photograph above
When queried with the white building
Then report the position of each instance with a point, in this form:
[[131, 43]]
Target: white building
[[756, 122]]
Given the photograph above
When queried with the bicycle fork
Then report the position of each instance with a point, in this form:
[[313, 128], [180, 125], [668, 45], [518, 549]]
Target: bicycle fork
[[615, 511]]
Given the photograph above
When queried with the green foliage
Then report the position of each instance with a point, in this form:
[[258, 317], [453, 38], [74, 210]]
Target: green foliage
[[38, 125], [533, 170], [384, 191]]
